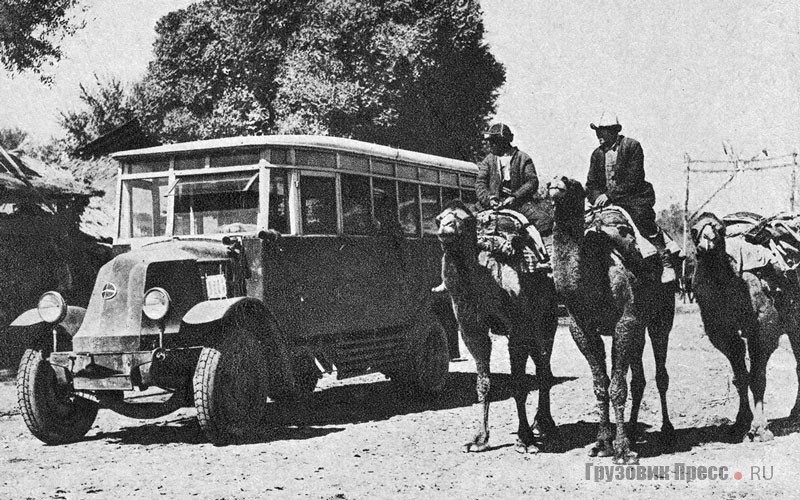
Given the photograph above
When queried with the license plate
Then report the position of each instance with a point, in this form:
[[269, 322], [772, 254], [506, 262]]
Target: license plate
[[216, 286]]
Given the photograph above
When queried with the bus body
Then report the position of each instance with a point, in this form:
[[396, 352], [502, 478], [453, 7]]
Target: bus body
[[247, 264]]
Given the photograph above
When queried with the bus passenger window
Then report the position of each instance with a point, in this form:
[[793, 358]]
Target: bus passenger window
[[430, 209], [356, 210], [384, 198], [278, 201], [470, 199], [409, 208], [318, 203], [450, 194]]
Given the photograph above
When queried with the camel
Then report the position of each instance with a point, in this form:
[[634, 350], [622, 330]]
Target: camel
[[486, 293], [604, 297], [735, 307]]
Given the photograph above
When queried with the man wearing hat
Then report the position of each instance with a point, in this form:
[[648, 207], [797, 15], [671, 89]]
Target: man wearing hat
[[506, 177], [616, 176]]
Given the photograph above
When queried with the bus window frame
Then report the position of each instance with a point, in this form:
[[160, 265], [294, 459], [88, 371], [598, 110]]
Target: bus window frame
[[464, 181]]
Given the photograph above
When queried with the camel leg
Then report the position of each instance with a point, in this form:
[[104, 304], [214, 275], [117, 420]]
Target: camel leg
[[518, 349], [628, 337], [592, 348], [760, 351], [638, 384], [476, 338], [728, 342], [659, 339], [544, 336], [543, 423], [794, 339]]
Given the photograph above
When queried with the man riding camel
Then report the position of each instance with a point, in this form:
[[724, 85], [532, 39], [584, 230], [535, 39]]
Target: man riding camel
[[507, 180], [616, 177]]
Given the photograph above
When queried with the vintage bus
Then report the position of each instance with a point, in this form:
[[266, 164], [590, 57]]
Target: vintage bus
[[243, 267]]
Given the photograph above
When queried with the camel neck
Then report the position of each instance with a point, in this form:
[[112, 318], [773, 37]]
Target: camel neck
[[460, 262]]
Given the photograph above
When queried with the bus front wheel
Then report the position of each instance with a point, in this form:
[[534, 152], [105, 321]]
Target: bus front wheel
[[53, 413], [230, 387]]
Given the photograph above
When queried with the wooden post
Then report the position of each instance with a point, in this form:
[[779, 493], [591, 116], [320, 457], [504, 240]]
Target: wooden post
[[794, 181], [686, 216]]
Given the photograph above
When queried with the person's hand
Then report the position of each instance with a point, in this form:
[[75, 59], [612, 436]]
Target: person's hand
[[507, 202], [601, 201], [494, 203]]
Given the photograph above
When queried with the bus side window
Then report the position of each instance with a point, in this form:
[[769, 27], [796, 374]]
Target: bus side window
[[356, 210], [278, 201], [318, 204], [470, 199], [430, 209], [450, 194], [384, 198], [409, 208]]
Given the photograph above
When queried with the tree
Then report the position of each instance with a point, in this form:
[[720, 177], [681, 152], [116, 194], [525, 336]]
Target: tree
[[32, 30], [12, 138], [410, 73], [107, 105]]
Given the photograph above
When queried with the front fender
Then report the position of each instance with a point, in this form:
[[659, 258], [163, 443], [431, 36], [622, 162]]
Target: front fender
[[214, 310], [71, 322]]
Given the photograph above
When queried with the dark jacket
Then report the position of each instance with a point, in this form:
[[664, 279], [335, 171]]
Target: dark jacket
[[631, 188], [523, 183]]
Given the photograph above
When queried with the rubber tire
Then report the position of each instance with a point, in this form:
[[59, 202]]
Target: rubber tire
[[54, 415], [230, 387], [429, 363]]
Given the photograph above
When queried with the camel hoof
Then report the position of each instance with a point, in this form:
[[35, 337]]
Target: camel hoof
[[523, 448], [601, 449], [761, 435], [475, 447], [668, 432], [629, 458]]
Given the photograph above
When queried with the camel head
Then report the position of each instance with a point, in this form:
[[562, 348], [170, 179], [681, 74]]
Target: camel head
[[708, 234], [454, 221], [567, 194]]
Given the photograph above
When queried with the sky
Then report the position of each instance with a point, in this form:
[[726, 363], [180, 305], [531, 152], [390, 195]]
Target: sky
[[681, 76]]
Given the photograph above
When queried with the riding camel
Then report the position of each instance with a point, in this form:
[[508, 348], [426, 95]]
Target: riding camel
[[487, 293], [604, 297], [743, 304]]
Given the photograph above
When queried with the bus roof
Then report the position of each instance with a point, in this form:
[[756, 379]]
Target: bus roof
[[302, 141]]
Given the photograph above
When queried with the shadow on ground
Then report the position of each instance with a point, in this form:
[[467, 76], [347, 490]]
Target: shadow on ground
[[320, 413], [652, 443]]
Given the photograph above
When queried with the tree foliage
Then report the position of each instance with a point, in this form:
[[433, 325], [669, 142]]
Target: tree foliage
[[12, 138], [31, 32], [409, 73], [107, 104]]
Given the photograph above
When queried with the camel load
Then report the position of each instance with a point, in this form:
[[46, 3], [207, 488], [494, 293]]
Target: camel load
[[508, 236], [754, 242]]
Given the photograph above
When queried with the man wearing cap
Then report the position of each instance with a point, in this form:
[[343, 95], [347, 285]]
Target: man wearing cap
[[616, 176], [506, 177]]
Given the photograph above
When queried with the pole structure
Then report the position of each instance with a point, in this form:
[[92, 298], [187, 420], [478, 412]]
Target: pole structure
[[794, 181], [686, 216]]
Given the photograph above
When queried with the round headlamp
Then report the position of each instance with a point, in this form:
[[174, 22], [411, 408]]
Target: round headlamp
[[156, 303], [52, 307]]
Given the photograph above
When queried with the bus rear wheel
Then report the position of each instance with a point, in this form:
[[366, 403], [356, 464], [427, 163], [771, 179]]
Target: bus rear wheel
[[55, 414], [428, 363], [230, 387]]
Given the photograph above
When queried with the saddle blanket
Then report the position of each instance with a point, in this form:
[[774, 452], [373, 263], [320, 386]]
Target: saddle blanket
[[508, 235]]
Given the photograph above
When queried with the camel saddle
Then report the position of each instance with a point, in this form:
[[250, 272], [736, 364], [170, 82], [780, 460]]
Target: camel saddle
[[618, 226], [509, 237]]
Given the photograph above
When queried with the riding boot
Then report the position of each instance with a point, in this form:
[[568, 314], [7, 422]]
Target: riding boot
[[668, 274]]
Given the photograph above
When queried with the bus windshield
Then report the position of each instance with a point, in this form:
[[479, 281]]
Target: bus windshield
[[213, 204]]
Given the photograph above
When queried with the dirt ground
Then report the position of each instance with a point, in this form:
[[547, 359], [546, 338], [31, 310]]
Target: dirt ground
[[359, 439]]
